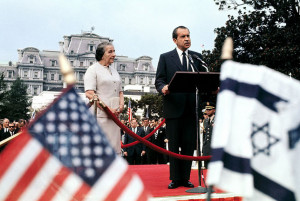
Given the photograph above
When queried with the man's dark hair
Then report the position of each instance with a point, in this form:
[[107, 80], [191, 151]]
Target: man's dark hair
[[101, 50], [174, 34], [145, 118]]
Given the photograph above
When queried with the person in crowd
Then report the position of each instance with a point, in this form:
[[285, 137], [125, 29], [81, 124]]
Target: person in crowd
[[5, 125], [134, 153], [147, 129], [11, 129], [103, 80], [208, 129], [21, 125], [158, 139], [179, 108]]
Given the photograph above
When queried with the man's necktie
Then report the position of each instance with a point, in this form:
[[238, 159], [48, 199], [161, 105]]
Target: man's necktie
[[184, 61]]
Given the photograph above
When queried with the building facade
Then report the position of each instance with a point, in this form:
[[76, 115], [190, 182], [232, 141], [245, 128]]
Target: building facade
[[40, 69]]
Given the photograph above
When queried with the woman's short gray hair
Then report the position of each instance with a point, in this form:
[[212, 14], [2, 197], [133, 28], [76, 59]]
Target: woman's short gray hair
[[101, 50]]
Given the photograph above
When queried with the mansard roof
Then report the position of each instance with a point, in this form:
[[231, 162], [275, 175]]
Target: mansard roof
[[30, 49]]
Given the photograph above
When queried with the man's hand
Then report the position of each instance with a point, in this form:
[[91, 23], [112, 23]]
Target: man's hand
[[125, 153], [165, 90], [143, 153]]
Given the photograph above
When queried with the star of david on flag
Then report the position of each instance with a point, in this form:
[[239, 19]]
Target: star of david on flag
[[64, 155], [251, 152]]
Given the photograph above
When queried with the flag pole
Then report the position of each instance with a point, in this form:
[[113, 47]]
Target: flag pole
[[66, 70], [227, 50]]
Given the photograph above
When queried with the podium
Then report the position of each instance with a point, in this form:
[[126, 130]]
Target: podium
[[195, 82]]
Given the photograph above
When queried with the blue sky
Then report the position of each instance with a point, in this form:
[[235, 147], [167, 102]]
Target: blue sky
[[138, 27]]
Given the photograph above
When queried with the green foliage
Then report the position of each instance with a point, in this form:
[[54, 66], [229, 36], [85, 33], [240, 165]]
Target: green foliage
[[16, 102], [134, 107], [266, 32], [154, 103]]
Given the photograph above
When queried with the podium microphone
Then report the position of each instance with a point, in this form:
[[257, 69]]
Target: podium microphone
[[192, 63], [204, 65]]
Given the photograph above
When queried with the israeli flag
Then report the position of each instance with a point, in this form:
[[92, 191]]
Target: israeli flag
[[250, 145]]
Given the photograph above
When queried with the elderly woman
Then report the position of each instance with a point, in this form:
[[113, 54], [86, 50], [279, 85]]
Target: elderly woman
[[103, 80]]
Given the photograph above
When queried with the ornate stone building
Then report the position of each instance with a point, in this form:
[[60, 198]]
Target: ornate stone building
[[40, 69]]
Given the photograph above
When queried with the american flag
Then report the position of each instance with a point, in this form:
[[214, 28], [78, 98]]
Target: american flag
[[129, 111], [64, 155]]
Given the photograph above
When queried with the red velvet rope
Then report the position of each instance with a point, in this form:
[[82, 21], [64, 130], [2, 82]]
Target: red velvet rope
[[146, 137], [149, 144]]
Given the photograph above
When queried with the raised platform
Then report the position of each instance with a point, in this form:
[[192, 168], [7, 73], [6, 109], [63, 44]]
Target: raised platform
[[156, 180]]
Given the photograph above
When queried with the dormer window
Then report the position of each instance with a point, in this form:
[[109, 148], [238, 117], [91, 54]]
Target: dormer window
[[146, 67], [53, 62], [122, 67], [31, 59], [91, 48]]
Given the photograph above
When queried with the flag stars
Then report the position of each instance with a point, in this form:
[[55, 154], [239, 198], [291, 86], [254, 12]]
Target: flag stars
[[50, 127], [97, 138], [98, 151], [84, 117], [51, 116], [76, 161], [87, 162], [74, 140], [262, 140], [73, 106], [62, 128], [63, 116], [86, 151], [50, 139], [89, 172], [74, 151], [63, 151], [74, 127], [74, 116], [71, 97], [63, 104], [86, 139], [108, 150], [98, 163], [38, 127], [63, 139], [86, 127]]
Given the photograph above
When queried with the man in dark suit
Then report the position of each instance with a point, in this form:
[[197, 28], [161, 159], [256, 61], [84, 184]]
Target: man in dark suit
[[158, 139], [208, 125], [147, 129], [134, 153], [179, 108]]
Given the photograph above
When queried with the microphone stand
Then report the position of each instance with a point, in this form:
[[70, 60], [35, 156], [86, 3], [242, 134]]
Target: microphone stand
[[198, 189]]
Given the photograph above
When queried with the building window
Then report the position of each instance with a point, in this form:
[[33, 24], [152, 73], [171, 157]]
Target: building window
[[31, 59], [53, 63], [123, 80], [45, 76], [141, 80], [81, 63], [25, 73], [122, 67], [59, 77], [35, 90], [72, 63], [91, 48], [81, 76], [36, 74], [150, 80], [91, 63], [10, 74], [52, 76], [129, 81]]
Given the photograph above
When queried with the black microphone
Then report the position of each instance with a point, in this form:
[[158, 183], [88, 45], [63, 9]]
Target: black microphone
[[204, 65], [192, 63]]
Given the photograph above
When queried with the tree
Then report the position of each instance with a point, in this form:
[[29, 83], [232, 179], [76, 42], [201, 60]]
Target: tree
[[16, 102], [3, 95], [134, 107], [266, 32], [154, 103]]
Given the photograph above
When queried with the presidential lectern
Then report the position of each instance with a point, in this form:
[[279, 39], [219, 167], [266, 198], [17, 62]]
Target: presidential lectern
[[199, 83]]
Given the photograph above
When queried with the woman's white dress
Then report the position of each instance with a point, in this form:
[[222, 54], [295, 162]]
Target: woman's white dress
[[106, 82]]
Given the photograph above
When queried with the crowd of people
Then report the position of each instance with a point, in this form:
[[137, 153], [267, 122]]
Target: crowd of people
[[140, 154], [9, 128]]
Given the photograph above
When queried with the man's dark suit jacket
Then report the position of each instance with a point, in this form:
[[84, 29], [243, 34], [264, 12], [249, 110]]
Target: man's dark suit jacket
[[175, 104], [139, 147]]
